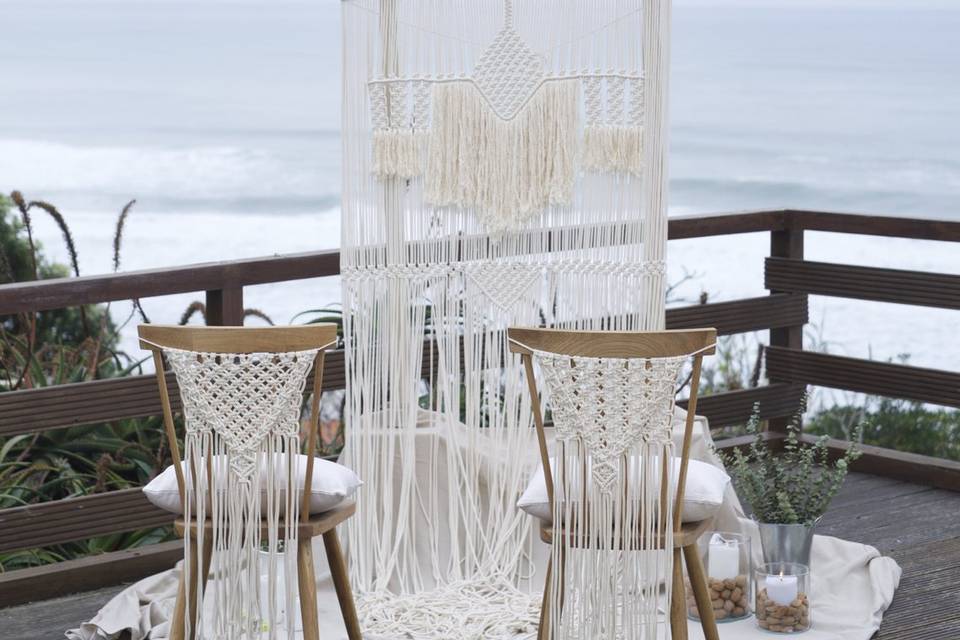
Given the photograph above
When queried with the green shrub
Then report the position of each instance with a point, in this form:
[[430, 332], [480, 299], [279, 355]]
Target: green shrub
[[902, 425], [794, 486]]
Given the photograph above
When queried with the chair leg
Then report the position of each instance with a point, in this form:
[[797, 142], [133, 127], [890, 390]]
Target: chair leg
[[678, 608], [341, 582], [543, 632], [308, 589], [183, 608], [698, 582], [178, 619]]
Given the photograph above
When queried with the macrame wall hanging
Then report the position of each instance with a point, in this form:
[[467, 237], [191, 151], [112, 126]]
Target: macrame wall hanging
[[504, 164]]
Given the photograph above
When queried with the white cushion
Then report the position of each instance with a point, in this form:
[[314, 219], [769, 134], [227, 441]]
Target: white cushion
[[332, 483], [702, 497]]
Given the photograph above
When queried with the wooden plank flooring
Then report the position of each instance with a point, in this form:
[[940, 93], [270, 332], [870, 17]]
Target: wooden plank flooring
[[918, 526]]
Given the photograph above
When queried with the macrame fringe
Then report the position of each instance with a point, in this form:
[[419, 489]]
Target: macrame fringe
[[479, 609], [617, 567], [506, 170], [613, 148], [613, 422], [245, 606], [433, 257], [242, 438], [398, 154]]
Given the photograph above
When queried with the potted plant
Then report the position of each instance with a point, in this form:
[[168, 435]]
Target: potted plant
[[787, 491]]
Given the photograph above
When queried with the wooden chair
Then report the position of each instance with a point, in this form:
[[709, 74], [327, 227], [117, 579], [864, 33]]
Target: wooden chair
[[241, 340], [627, 345]]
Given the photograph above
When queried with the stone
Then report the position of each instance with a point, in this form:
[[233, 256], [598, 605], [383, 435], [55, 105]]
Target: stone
[[728, 606]]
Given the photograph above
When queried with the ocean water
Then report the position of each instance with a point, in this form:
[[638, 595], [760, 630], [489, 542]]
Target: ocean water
[[221, 118]]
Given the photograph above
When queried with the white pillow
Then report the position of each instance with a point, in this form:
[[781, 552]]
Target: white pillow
[[702, 497], [332, 483]]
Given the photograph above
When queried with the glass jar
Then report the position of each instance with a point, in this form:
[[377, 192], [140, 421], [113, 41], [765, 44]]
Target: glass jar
[[783, 601], [727, 560]]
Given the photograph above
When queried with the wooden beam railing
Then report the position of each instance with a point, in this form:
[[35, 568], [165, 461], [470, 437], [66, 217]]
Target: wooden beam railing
[[865, 376], [784, 312]]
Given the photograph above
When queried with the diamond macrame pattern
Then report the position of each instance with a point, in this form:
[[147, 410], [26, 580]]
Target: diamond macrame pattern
[[503, 283], [610, 405], [242, 397], [508, 73]]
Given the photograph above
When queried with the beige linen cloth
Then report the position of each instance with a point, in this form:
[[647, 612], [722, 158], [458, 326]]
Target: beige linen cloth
[[852, 583]]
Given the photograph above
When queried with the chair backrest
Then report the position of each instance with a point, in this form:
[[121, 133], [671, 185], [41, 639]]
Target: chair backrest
[[240, 385], [612, 390]]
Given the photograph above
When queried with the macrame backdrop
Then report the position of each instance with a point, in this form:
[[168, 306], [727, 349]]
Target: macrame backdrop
[[503, 164]]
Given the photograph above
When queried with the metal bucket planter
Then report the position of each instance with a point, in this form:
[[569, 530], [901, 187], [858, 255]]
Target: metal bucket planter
[[786, 542]]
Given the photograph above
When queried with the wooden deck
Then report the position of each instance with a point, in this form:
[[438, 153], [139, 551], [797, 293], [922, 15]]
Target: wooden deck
[[917, 525]]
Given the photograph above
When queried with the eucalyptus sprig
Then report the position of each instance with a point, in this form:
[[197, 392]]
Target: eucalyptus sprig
[[795, 486]]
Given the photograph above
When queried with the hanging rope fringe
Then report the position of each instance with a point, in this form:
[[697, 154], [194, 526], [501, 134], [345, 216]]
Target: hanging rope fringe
[[242, 416], [467, 209], [507, 170], [476, 609], [613, 148], [398, 153], [613, 531]]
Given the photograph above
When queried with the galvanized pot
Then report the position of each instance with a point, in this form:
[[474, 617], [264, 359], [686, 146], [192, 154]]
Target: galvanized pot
[[786, 542]]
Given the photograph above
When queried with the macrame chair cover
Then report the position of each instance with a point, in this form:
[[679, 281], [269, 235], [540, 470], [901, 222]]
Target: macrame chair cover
[[503, 164], [242, 413], [613, 523]]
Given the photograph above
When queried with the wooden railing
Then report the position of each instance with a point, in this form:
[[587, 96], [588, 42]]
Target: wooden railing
[[789, 278]]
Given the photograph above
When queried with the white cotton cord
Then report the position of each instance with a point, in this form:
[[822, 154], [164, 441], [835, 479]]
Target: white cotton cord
[[469, 207], [612, 538], [399, 153], [613, 148], [478, 609], [505, 170], [242, 414]]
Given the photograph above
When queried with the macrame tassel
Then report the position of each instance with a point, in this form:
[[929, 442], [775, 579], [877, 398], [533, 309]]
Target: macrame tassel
[[507, 170], [613, 562], [238, 500], [398, 154], [613, 148]]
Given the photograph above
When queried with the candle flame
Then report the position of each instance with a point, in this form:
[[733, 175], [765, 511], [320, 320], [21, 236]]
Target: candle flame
[[781, 574]]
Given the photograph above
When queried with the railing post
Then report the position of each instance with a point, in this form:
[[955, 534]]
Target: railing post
[[225, 307], [785, 243]]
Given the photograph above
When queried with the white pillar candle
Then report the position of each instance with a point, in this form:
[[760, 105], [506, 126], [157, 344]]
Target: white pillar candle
[[723, 558], [782, 589]]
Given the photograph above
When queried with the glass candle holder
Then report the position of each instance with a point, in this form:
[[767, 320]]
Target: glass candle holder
[[727, 561], [783, 603]]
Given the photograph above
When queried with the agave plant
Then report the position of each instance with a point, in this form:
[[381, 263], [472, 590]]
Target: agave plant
[[59, 347]]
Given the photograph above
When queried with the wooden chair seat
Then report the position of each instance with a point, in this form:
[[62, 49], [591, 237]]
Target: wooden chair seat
[[688, 534], [318, 524]]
